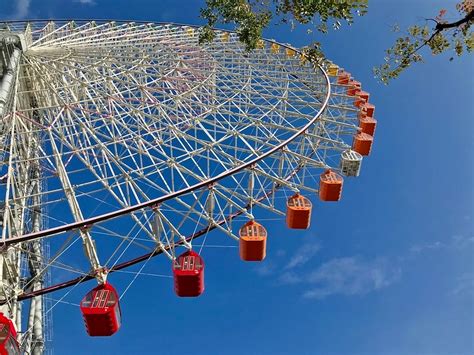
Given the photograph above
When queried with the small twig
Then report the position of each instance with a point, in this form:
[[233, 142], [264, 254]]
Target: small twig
[[431, 19]]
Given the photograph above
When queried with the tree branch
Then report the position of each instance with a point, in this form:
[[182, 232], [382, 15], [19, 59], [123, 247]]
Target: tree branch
[[439, 28], [445, 26]]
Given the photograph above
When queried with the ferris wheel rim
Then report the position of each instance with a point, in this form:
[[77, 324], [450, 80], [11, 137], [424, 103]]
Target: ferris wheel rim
[[85, 223]]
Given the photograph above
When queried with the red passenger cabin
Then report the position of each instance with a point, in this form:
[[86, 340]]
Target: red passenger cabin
[[101, 311], [368, 125], [367, 122], [188, 272], [362, 97], [330, 186], [354, 87], [298, 212], [362, 143], [367, 109], [253, 241], [8, 343], [343, 78]]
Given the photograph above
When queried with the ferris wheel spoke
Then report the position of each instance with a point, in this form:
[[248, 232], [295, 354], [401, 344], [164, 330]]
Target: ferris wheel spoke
[[51, 31], [89, 245], [82, 32], [92, 33]]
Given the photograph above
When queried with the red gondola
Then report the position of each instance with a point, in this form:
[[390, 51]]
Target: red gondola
[[253, 241], [362, 97], [354, 87], [8, 343], [362, 143], [330, 186], [368, 109], [368, 125], [101, 311], [188, 272], [343, 77], [298, 212]]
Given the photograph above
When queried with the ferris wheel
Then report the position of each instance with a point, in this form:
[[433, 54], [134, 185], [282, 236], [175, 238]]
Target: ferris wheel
[[121, 141]]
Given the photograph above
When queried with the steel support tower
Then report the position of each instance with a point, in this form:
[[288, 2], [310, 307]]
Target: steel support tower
[[20, 265]]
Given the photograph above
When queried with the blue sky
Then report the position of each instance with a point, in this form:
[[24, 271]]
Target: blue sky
[[388, 270]]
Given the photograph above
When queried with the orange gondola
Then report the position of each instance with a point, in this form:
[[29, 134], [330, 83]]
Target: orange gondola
[[298, 212], [354, 87], [368, 109], [368, 125], [330, 186], [362, 97], [343, 77], [253, 241], [362, 143]]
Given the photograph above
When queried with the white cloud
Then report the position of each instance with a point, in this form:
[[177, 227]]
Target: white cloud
[[456, 241], [304, 254], [86, 2], [265, 269], [416, 249], [465, 285], [22, 9], [344, 276], [350, 276], [462, 241], [281, 252], [355, 275], [289, 278]]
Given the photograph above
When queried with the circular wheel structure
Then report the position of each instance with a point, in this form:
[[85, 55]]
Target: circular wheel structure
[[126, 140]]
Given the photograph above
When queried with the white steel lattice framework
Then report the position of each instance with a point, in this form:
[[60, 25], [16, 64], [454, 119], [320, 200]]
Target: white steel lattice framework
[[132, 139]]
